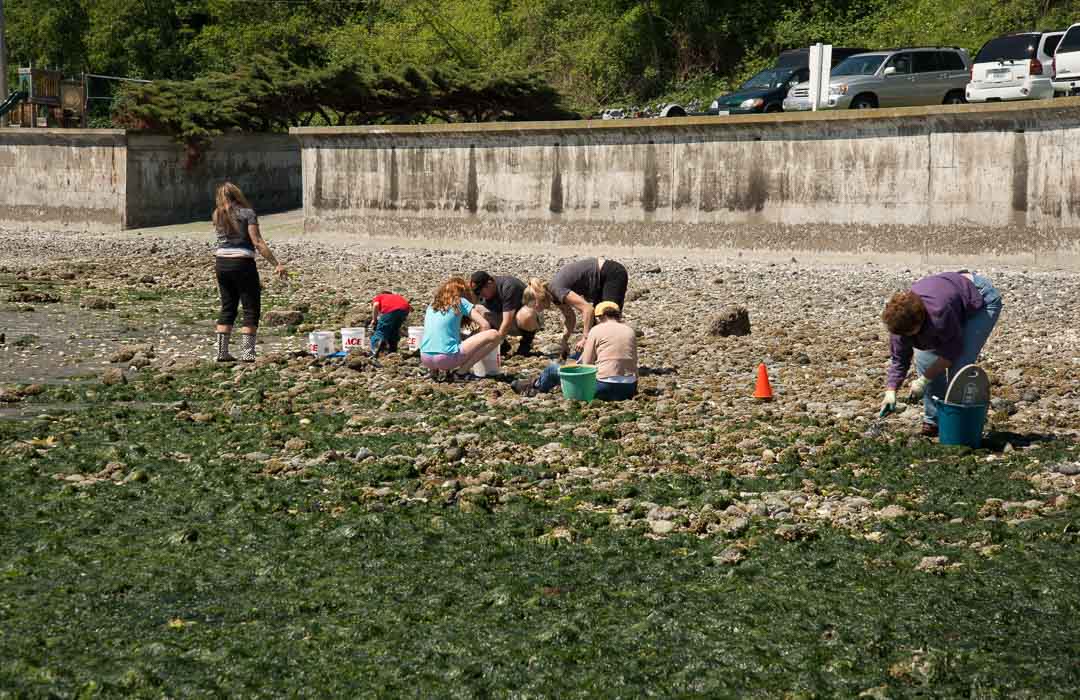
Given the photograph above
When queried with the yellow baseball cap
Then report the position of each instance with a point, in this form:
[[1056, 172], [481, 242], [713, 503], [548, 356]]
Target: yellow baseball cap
[[604, 306]]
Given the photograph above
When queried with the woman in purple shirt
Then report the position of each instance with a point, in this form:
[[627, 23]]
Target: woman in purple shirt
[[944, 321]]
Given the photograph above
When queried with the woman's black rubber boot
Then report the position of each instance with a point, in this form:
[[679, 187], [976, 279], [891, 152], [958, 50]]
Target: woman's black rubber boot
[[247, 347], [223, 348]]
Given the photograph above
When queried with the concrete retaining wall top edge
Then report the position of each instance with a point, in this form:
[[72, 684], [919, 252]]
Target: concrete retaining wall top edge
[[938, 116], [226, 142]]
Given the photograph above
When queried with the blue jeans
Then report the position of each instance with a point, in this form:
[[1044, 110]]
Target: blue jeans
[[976, 330], [388, 330], [605, 391]]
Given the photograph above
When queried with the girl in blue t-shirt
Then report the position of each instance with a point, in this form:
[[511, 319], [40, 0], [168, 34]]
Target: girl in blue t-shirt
[[441, 348]]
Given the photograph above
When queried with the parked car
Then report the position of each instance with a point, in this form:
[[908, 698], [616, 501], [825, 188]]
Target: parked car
[[1066, 64], [765, 91], [893, 78], [762, 93], [1014, 67]]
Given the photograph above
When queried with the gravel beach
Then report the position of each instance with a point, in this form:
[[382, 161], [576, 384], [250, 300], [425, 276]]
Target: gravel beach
[[814, 324]]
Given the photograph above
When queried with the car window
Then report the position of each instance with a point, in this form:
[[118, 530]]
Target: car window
[[1018, 47], [901, 62], [950, 60], [767, 79], [1051, 44], [858, 65], [925, 62], [1071, 40], [801, 76]]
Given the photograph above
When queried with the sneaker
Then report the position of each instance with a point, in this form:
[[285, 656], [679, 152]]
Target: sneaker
[[525, 387], [928, 430]]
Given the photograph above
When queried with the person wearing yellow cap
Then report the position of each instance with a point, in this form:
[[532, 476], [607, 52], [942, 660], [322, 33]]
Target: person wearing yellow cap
[[611, 346]]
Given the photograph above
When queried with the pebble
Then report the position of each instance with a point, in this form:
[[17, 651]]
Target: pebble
[[892, 512], [662, 527]]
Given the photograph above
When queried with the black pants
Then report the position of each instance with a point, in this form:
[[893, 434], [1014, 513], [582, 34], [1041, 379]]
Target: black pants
[[238, 283], [613, 280]]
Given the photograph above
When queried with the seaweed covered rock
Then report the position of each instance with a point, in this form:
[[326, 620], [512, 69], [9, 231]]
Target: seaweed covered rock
[[732, 320]]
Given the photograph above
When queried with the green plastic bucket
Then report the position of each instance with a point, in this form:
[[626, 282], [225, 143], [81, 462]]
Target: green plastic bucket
[[960, 424], [578, 382]]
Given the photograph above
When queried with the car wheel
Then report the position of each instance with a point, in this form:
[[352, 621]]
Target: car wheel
[[955, 98], [864, 102], [773, 108]]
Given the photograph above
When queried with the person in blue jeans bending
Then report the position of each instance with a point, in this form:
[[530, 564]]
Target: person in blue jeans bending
[[611, 346], [388, 313], [944, 321]]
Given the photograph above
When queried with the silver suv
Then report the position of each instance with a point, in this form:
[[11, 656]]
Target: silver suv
[[892, 78]]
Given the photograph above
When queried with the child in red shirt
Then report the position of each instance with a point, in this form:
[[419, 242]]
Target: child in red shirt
[[388, 313]]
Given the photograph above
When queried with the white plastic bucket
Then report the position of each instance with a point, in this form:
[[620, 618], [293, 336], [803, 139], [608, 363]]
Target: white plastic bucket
[[321, 343], [416, 334], [489, 365], [352, 339]]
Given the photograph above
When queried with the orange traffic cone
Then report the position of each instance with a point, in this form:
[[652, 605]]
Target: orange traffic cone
[[763, 390]]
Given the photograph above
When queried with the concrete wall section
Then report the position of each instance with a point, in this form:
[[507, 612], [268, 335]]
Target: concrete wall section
[[62, 179], [161, 190], [940, 174], [108, 180]]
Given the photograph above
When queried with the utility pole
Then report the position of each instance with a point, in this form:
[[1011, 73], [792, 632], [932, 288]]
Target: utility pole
[[3, 64]]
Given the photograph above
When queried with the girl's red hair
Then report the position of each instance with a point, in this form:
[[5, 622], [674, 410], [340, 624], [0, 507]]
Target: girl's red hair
[[450, 293]]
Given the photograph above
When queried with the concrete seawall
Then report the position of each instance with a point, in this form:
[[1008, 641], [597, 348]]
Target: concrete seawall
[[70, 179], [1000, 179], [109, 179]]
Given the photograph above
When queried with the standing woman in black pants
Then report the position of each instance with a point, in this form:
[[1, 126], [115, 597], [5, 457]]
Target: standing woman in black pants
[[238, 238]]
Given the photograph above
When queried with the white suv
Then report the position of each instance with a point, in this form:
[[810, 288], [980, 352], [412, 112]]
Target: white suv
[[1067, 63], [1014, 67]]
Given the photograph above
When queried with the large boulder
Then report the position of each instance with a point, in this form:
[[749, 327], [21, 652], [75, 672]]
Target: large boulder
[[733, 320], [283, 317]]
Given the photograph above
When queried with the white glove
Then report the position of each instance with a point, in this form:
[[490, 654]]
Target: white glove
[[888, 405], [918, 388]]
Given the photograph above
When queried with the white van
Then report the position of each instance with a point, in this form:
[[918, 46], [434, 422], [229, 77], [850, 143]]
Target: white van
[[1067, 63], [1014, 67]]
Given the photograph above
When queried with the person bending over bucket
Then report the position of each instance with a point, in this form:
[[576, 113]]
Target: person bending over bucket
[[611, 346], [581, 285], [945, 320], [441, 349], [388, 313], [500, 299], [238, 238]]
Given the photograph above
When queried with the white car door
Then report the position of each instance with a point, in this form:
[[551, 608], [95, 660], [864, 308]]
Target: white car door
[[1067, 57]]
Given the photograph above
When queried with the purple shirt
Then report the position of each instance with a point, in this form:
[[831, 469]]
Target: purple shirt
[[950, 299]]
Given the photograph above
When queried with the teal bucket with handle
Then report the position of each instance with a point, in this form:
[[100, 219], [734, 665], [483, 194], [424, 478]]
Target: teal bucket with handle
[[960, 424], [578, 382]]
